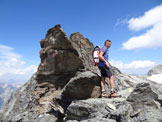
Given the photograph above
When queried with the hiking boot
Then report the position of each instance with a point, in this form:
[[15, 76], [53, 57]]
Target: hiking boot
[[114, 93], [104, 94]]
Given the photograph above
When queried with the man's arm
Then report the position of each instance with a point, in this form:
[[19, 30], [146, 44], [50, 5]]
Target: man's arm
[[103, 59]]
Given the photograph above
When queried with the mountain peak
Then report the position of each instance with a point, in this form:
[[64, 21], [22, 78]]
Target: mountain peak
[[155, 70], [66, 87]]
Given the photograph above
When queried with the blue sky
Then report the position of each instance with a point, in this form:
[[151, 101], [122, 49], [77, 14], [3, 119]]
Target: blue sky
[[24, 23]]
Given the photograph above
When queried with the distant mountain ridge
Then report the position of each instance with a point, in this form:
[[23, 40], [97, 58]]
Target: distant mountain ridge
[[5, 91], [155, 70], [155, 74]]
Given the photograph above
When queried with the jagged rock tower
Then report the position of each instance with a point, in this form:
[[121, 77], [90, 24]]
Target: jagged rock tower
[[66, 72]]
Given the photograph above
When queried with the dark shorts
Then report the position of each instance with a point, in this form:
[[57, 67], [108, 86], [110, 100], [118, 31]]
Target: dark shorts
[[105, 72]]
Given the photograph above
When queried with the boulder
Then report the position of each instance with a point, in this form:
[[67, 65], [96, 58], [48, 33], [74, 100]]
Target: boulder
[[144, 104], [142, 93], [92, 109], [83, 86]]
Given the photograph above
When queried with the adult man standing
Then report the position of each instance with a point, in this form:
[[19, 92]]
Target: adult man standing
[[104, 67]]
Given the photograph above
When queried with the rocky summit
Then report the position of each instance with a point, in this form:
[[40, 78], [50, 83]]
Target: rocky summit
[[66, 88], [155, 70]]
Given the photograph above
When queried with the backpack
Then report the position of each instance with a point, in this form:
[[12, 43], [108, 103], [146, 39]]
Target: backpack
[[95, 55]]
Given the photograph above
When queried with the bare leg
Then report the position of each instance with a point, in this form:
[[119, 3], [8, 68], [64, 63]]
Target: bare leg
[[104, 94], [102, 83], [113, 92], [111, 79]]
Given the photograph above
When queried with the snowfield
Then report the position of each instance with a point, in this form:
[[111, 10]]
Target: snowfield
[[157, 78]]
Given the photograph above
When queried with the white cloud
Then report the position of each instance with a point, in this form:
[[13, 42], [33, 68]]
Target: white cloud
[[150, 18], [152, 38], [134, 67], [121, 21], [12, 67], [7, 52]]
